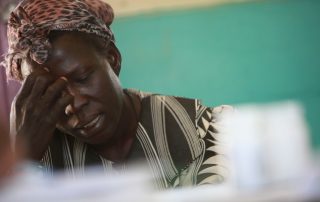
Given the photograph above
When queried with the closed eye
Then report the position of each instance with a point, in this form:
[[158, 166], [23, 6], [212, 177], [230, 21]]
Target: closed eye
[[83, 78]]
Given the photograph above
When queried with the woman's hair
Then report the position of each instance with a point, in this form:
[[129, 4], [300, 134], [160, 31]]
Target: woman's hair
[[34, 23]]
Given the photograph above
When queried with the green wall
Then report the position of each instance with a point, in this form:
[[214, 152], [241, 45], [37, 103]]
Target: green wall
[[237, 53]]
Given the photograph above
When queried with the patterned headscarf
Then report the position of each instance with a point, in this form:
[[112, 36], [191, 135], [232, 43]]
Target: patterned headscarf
[[32, 20]]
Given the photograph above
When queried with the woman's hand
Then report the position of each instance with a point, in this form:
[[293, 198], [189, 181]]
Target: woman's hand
[[36, 109]]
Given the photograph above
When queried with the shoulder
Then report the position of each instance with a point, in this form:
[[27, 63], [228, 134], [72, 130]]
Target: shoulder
[[185, 121], [192, 107]]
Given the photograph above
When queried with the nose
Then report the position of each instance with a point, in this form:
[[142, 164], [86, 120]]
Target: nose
[[79, 101]]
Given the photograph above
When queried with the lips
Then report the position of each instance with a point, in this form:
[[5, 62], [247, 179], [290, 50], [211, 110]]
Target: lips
[[91, 128], [92, 123]]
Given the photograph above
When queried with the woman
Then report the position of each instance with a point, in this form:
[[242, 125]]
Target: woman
[[72, 112]]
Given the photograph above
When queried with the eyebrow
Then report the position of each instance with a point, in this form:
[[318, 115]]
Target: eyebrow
[[77, 71]]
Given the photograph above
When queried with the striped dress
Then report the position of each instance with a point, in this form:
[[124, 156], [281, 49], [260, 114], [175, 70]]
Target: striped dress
[[179, 139]]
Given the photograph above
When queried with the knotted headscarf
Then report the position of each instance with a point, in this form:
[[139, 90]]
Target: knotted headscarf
[[32, 20]]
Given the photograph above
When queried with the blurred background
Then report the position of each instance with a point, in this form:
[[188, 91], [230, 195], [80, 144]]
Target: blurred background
[[246, 53], [229, 52]]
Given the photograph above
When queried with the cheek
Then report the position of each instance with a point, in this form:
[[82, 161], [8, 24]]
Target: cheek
[[104, 87], [111, 92]]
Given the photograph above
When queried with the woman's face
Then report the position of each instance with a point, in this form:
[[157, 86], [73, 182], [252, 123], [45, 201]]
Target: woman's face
[[94, 115]]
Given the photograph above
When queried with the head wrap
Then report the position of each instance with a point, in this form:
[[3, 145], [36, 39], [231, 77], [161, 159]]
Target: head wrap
[[32, 20]]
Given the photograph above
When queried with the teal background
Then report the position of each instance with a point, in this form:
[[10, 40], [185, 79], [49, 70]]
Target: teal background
[[260, 51]]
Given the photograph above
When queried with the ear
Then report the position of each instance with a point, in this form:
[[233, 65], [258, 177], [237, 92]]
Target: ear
[[114, 58]]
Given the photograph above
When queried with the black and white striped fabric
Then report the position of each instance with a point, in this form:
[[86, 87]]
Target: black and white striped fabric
[[179, 139]]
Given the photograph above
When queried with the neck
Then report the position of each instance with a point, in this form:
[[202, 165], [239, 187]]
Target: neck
[[118, 149]]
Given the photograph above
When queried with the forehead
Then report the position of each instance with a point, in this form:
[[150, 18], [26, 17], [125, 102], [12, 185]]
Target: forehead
[[71, 51], [68, 45], [71, 43]]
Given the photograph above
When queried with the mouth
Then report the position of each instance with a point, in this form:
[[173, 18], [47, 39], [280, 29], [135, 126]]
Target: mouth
[[92, 123], [92, 127]]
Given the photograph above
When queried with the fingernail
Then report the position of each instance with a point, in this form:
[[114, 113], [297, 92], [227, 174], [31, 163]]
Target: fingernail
[[68, 110], [64, 78], [46, 69]]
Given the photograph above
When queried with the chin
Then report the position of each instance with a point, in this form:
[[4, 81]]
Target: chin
[[63, 130], [104, 136], [93, 136]]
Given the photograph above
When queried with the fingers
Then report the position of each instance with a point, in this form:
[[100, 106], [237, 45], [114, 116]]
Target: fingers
[[43, 81], [42, 86], [52, 103], [55, 91], [56, 98], [57, 110], [27, 85], [43, 96], [25, 89], [33, 86]]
